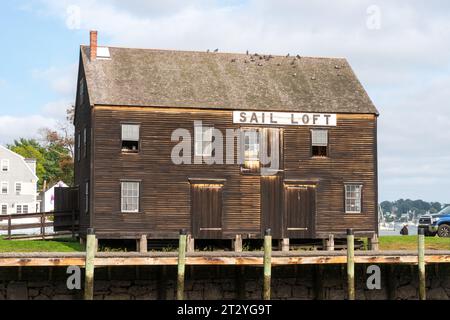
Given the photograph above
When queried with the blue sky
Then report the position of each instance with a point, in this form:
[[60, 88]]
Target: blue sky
[[399, 50]]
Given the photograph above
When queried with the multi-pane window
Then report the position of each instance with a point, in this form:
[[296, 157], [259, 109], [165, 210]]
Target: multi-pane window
[[18, 188], [4, 209], [252, 150], [25, 208], [130, 138], [203, 141], [4, 187], [19, 208], [86, 197], [130, 196], [319, 142], [85, 142], [78, 146], [5, 165], [353, 195]]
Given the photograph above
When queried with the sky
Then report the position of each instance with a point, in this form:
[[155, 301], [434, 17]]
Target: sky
[[400, 51]]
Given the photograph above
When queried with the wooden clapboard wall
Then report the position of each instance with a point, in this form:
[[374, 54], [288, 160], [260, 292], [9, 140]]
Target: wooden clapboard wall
[[166, 203]]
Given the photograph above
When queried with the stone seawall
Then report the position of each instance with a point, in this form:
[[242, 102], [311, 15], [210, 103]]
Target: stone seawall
[[211, 283]]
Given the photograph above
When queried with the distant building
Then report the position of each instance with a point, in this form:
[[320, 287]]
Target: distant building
[[47, 197], [18, 183]]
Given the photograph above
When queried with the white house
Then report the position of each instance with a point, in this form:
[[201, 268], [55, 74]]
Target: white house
[[47, 197], [18, 183]]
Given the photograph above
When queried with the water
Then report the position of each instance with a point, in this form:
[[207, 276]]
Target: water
[[396, 232]]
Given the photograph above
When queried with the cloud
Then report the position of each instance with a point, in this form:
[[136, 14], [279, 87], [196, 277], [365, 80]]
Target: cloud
[[404, 65], [22, 127], [62, 80], [2, 83], [56, 109]]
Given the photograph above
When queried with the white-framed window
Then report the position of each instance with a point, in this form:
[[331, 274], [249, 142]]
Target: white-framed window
[[130, 138], [3, 208], [5, 165], [203, 141], [353, 196], [18, 208], [4, 187], [18, 188], [25, 208], [86, 197], [130, 196], [78, 146], [252, 145], [319, 142], [85, 142]]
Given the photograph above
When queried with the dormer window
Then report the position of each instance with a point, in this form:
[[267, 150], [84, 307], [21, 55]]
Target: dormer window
[[130, 138]]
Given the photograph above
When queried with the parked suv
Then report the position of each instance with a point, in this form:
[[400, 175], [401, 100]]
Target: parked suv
[[438, 223]]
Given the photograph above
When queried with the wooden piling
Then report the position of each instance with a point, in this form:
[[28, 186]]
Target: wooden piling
[[89, 268], [350, 264], [237, 243], [267, 264], [421, 260], [330, 243], [143, 244], [284, 245], [374, 243], [190, 246], [181, 264]]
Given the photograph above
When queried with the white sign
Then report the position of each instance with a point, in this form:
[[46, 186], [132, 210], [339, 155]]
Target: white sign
[[284, 118]]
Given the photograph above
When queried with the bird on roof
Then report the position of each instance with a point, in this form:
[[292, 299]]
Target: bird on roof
[[246, 52], [288, 55], [298, 56], [217, 50], [207, 51]]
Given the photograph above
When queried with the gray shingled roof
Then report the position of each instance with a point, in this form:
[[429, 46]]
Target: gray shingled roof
[[147, 77]]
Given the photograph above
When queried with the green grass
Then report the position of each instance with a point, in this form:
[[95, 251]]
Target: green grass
[[410, 243], [60, 245]]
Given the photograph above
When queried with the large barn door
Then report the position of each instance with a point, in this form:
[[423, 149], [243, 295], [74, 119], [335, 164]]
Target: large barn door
[[272, 182], [300, 210], [206, 207]]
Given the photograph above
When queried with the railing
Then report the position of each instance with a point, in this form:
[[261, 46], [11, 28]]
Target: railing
[[43, 220]]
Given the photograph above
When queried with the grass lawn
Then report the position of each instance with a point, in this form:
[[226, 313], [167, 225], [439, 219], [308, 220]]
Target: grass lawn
[[410, 243], [60, 245]]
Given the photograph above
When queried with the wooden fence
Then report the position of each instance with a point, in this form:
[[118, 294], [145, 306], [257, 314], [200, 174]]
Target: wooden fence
[[42, 221]]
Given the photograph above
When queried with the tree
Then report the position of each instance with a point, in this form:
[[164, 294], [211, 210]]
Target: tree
[[53, 152]]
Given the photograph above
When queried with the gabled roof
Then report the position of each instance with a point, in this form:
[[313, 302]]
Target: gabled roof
[[21, 158], [186, 79]]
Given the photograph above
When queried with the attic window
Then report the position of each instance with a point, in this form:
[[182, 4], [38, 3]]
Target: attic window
[[130, 138], [103, 53]]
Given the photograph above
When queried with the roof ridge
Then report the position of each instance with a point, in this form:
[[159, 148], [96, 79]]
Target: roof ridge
[[221, 53]]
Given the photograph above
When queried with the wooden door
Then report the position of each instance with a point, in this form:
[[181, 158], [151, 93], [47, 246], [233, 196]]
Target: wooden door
[[299, 211], [206, 210]]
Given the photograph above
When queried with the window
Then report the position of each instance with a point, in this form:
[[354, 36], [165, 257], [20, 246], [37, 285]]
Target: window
[[78, 146], [19, 208], [130, 196], [319, 143], [86, 198], [25, 208], [85, 142], [5, 187], [5, 165], [81, 91], [203, 141], [130, 138], [252, 148], [18, 188], [353, 198], [4, 209]]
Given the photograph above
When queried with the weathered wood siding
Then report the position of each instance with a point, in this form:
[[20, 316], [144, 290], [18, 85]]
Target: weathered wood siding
[[165, 205], [82, 168]]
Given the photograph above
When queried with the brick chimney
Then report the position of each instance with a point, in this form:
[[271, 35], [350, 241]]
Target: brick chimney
[[93, 54]]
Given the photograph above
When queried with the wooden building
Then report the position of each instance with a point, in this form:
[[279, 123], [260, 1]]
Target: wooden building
[[313, 112]]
